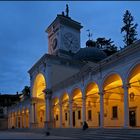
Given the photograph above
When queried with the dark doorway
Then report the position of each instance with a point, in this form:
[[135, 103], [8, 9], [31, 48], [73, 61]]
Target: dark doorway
[[99, 118], [132, 118], [73, 119]]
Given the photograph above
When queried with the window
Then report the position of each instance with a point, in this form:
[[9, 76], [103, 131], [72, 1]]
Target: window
[[65, 116], [114, 112], [56, 117], [89, 115], [79, 115]]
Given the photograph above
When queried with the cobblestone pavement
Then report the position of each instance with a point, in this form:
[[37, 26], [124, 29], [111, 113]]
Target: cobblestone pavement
[[27, 135]]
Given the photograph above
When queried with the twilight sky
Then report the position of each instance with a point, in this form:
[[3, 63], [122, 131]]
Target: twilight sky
[[23, 39]]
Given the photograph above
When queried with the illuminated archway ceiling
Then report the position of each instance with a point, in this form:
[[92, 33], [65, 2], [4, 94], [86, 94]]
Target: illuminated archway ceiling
[[39, 86], [76, 94], [134, 76], [112, 81], [55, 101], [92, 88], [65, 97]]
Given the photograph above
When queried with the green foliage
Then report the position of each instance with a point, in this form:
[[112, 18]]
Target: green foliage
[[26, 91], [129, 29], [107, 45]]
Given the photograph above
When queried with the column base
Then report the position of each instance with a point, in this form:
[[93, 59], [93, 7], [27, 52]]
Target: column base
[[47, 124], [33, 125], [126, 126], [101, 126]]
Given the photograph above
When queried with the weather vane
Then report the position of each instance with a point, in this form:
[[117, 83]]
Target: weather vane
[[89, 34], [67, 10]]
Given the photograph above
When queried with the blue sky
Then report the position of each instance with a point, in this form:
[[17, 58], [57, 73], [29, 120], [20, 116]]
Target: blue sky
[[23, 39]]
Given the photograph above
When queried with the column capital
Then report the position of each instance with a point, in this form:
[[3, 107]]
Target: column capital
[[60, 105], [48, 93], [126, 86], [70, 101], [84, 98], [34, 100], [101, 93], [48, 96]]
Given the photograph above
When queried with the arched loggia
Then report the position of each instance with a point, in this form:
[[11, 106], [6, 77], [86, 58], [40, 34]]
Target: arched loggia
[[76, 108], [65, 110], [56, 112], [113, 101], [134, 96], [26, 118], [92, 105], [39, 100]]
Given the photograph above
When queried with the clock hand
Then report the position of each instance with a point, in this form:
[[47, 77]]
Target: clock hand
[[67, 38], [71, 42]]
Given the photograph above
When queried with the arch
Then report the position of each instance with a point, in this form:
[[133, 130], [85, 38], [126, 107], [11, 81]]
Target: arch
[[113, 98], [112, 80], [39, 86], [18, 118], [76, 97], [56, 112], [65, 109], [76, 93], [91, 88], [92, 104], [108, 74], [26, 117], [55, 101], [64, 97], [134, 74], [133, 80]]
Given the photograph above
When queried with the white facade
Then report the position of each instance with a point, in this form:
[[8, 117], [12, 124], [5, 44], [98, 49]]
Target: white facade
[[66, 92]]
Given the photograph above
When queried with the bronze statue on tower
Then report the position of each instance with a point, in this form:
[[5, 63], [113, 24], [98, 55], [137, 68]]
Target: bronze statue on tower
[[67, 10]]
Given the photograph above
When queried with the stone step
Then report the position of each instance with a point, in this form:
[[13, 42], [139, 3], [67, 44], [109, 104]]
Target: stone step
[[98, 133]]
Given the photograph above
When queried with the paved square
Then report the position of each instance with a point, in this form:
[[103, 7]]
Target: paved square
[[27, 135]]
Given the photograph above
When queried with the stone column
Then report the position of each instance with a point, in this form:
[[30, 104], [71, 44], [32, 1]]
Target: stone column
[[20, 120], [10, 121], [14, 121], [31, 117], [83, 109], [35, 113], [101, 110], [126, 107], [48, 93], [17, 121], [60, 107], [24, 120], [70, 104], [48, 110]]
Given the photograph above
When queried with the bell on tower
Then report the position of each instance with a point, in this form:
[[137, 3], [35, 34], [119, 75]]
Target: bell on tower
[[63, 34]]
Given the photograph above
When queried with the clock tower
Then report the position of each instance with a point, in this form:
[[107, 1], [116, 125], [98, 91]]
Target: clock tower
[[63, 34]]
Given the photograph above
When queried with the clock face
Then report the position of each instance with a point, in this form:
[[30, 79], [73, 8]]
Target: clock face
[[70, 41], [54, 44]]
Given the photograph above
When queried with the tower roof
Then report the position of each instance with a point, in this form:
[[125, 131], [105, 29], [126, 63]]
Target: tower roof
[[65, 20]]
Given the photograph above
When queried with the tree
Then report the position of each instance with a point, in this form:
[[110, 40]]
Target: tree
[[129, 29], [100, 42], [107, 45]]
